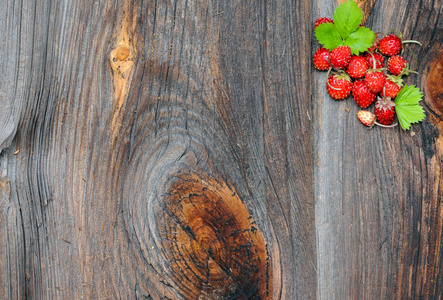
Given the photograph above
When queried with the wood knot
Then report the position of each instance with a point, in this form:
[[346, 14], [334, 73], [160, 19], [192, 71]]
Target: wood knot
[[122, 53], [434, 86], [211, 244], [122, 60]]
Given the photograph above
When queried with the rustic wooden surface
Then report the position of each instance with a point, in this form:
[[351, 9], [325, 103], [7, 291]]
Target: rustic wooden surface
[[165, 150], [379, 206], [188, 150]]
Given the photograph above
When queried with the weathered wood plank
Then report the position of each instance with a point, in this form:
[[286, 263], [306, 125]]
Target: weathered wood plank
[[11, 255], [379, 192], [165, 150], [173, 150]]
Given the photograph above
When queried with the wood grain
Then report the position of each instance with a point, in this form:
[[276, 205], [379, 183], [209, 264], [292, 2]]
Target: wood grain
[[165, 150], [11, 254], [187, 150], [379, 192], [432, 79]]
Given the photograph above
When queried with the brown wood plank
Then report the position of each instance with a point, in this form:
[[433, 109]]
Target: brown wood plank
[[379, 192], [165, 150]]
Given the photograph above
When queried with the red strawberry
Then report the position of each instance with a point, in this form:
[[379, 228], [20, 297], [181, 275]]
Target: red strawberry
[[340, 57], [366, 117], [339, 86], [390, 45], [378, 60], [362, 94], [398, 65], [321, 59], [385, 111], [392, 87], [320, 21], [357, 66], [375, 80]]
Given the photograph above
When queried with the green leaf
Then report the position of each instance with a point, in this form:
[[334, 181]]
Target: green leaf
[[407, 106], [360, 40], [328, 35], [347, 17]]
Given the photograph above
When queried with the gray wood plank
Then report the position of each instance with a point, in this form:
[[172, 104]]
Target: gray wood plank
[[378, 193], [188, 150]]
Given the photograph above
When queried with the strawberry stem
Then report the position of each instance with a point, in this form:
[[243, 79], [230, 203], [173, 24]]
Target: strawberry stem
[[385, 126], [373, 60], [327, 81], [411, 41], [333, 87], [415, 62]]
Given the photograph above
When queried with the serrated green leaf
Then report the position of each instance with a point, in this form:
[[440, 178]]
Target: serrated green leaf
[[328, 35], [347, 17], [409, 94], [360, 40], [407, 106], [409, 115]]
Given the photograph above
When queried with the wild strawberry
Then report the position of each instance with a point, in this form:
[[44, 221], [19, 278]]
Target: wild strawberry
[[357, 66], [375, 80], [392, 87], [390, 45], [322, 20], [339, 86], [362, 94], [384, 110], [378, 60], [398, 65], [366, 117], [321, 59], [340, 57]]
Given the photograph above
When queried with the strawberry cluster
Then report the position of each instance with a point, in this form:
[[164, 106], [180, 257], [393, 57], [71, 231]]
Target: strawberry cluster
[[358, 68]]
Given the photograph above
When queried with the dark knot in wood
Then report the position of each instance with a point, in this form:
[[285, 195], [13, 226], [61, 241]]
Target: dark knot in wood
[[435, 86], [210, 242]]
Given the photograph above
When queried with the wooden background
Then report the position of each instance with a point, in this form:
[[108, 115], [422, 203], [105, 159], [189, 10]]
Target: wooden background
[[186, 149]]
